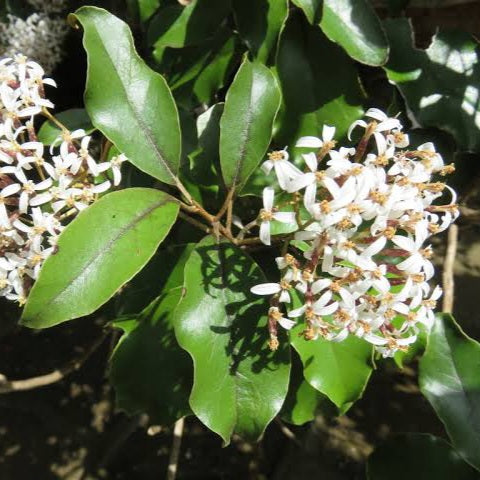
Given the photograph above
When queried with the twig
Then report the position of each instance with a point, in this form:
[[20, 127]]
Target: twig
[[448, 277], [194, 222], [226, 203], [175, 451], [229, 216], [8, 386]]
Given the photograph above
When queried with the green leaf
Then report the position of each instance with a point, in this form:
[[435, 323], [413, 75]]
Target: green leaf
[[214, 75], [311, 8], [147, 8], [303, 401], [246, 125], [441, 85], [73, 119], [354, 25], [178, 26], [102, 249], [259, 23], [126, 100], [338, 370], [239, 384], [138, 370], [319, 84], [162, 273], [449, 378], [205, 160], [420, 456]]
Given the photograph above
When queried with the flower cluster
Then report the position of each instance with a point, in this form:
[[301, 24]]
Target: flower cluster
[[39, 36], [39, 190], [358, 262]]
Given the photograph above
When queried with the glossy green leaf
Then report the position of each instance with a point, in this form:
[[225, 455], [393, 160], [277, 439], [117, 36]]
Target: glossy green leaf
[[303, 402], [178, 26], [138, 366], [354, 25], [441, 85], [239, 384], [319, 84], [419, 456], [259, 23], [104, 247], [311, 8], [246, 125], [73, 119], [126, 100], [449, 378], [338, 370]]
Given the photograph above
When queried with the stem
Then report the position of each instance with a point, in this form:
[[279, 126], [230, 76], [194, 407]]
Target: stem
[[448, 276], [362, 146], [257, 241], [229, 216], [175, 451], [246, 229], [216, 226], [40, 171], [59, 124], [226, 203], [105, 149], [194, 222]]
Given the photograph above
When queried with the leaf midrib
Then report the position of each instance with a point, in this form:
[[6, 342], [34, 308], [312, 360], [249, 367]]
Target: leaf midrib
[[104, 248], [245, 135], [147, 131]]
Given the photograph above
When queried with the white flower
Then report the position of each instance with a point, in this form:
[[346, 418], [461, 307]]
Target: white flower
[[4, 194], [314, 142], [267, 214], [284, 170], [418, 259]]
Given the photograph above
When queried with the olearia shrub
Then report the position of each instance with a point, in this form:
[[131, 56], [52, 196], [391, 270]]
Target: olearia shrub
[[318, 250]]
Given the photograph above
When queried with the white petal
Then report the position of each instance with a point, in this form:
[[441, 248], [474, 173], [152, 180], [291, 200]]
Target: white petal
[[310, 196], [340, 336], [301, 182], [298, 312], [311, 161], [360, 123], [377, 114], [404, 243], [10, 190], [267, 166], [309, 142], [323, 300], [265, 233], [284, 217], [286, 323], [268, 195], [374, 248], [328, 310], [320, 285], [265, 289], [389, 125], [381, 142], [328, 133], [375, 339]]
